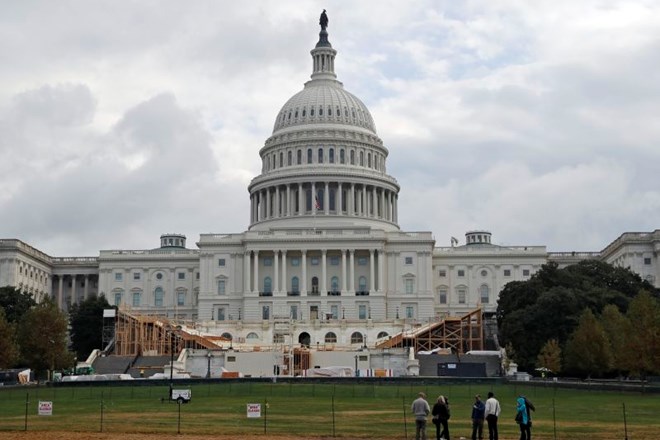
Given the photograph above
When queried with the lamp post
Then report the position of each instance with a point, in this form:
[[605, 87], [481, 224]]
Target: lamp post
[[356, 365], [209, 355]]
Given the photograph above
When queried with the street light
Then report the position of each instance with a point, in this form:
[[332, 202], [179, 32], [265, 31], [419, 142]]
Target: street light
[[209, 355], [172, 332]]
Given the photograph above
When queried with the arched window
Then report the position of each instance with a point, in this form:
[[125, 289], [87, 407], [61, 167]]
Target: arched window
[[362, 284], [361, 158], [289, 158], [281, 159], [320, 111], [484, 294], [309, 155], [295, 285], [315, 285], [342, 156], [382, 335], [330, 338], [227, 336], [332, 194], [320, 155], [252, 335], [352, 157], [299, 157], [118, 296], [158, 297], [137, 295], [369, 160], [334, 284], [357, 338], [268, 285], [331, 155]]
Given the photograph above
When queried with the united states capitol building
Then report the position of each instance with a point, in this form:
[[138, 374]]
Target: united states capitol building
[[323, 253]]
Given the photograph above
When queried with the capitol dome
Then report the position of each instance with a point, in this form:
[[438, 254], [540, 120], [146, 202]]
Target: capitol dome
[[324, 163]]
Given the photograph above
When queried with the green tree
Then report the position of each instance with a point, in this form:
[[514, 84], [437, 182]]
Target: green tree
[[15, 303], [8, 347], [588, 349], [42, 335], [616, 328], [86, 321], [549, 304], [642, 344], [550, 356]]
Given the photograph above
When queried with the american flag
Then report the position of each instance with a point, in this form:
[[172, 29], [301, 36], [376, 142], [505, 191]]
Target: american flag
[[317, 205]]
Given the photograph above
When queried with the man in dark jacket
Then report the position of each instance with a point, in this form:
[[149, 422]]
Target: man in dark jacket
[[478, 416]]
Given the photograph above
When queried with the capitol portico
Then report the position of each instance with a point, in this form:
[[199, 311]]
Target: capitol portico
[[324, 259]]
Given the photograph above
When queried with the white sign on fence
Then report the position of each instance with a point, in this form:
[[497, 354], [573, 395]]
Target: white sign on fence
[[254, 410], [45, 408]]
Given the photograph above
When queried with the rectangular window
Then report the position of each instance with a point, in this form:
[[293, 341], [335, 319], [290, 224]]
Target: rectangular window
[[442, 296], [197, 275], [507, 272], [182, 275], [295, 262], [362, 311], [221, 262], [462, 296], [334, 261], [442, 273], [180, 298], [136, 276], [265, 313], [221, 314], [525, 272], [268, 261], [410, 312], [362, 261], [315, 261], [647, 260], [408, 260], [119, 276], [461, 272], [334, 311], [136, 299], [221, 287], [294, 312], [409, 282], [158, 298], [117, 299]]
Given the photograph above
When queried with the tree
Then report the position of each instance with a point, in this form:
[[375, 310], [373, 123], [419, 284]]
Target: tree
[[550, 357], [8, 347], [549, 304], [15, 303], [86, 321], [616, 328], [42, 335], [588, 350], [642, 344]]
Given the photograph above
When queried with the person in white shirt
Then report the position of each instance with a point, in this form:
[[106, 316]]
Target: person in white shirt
[[492, 413], [420, 407]]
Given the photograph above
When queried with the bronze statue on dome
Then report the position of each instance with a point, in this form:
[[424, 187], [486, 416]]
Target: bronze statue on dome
[[323, 21]]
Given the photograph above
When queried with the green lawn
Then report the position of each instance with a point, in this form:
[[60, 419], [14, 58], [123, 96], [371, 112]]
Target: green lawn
[[363, 410]]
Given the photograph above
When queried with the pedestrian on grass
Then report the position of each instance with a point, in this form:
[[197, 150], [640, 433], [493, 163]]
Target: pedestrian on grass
[[521, 417], [478, 416], [441, 416], [420, 407], [529, 406], [492, 412]]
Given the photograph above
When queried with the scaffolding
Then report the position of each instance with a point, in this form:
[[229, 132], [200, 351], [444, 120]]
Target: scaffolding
[[458, 333]]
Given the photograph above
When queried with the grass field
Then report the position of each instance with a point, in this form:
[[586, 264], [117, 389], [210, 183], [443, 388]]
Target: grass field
[[320, 410]]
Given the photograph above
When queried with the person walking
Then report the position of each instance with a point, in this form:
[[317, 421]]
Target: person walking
[[521, 417], [441, 416], [478, 416], [529, 407], [420, 407], [492, 412]]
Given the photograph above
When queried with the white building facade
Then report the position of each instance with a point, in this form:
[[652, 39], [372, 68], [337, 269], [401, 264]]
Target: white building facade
[[324, 260]]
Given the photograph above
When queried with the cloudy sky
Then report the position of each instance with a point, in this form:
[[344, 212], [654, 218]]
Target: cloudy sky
[[122, 120]]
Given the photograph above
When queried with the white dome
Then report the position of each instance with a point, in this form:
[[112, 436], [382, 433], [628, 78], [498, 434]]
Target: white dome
[[324, 101]]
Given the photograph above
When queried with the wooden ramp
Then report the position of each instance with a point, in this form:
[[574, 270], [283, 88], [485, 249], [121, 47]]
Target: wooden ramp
[[137, 334], [458, 333]]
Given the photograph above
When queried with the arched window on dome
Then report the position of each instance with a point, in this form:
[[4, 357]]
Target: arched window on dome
[[274, 162], [345, 113], [304, 112], [352, 157], [338, 111], [332, 194], [342, 156], [289, 117], [361, 158], [320, 111], [308, 200], [329, 111], [289, 158], [299, 157], [267, 163], [309, 155], [331, 155], [295, 115], [281, 159], [369, 160], [352, 112], [311, 111], [320, 156]]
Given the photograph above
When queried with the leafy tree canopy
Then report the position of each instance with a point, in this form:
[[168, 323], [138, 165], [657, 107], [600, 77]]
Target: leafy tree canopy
[[15, 303], [8, 347], [86, 321], [549, 304]]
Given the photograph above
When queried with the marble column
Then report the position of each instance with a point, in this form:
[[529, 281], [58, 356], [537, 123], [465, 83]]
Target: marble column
[[303, 290], [256, 271], [324, 272]]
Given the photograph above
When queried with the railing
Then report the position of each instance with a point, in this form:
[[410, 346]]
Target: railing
[[265, 293], [293, 293], [334, 293], [362, 293]]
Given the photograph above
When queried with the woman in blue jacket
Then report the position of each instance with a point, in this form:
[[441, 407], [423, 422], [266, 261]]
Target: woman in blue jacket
[[522, 419]]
